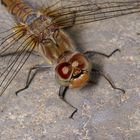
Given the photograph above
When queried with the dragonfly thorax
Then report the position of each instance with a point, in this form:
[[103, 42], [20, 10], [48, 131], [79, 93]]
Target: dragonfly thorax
[[55, 46], [42, 28]]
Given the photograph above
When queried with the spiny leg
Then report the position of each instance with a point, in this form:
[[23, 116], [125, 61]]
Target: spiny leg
[[62, 93], [91, 53], [31, 76], [107, 78]]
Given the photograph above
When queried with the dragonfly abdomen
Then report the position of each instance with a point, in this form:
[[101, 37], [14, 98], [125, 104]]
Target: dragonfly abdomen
[[23, 12]]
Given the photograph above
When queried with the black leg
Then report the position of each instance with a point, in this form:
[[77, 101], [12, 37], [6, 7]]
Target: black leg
[[110, 82], [92, 53], [62, 93], [31, 76]]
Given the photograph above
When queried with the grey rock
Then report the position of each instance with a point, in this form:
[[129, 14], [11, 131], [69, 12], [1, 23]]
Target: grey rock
[[103, 113]]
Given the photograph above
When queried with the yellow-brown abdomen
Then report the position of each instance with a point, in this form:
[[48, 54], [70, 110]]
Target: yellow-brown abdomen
[[18, 9]]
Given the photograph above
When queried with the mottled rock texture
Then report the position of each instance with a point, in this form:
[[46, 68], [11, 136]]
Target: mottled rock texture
[[103, 113]]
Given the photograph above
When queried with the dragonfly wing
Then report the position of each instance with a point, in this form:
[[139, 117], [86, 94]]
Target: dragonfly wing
[[16, 62], [70, 13]]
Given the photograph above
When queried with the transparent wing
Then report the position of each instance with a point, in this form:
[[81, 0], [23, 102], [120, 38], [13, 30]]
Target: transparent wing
[[12, 40], [69, 13], [15, 62]]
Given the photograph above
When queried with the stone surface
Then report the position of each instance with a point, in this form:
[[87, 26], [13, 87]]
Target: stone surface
[[103, 113]]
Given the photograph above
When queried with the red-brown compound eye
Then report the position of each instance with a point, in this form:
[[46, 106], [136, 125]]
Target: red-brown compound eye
[[64, 70], [78, 60]]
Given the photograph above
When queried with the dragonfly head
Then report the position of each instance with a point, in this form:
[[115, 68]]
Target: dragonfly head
[[73, 70]]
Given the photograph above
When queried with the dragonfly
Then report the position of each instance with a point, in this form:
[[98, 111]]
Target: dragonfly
[[42, 31]]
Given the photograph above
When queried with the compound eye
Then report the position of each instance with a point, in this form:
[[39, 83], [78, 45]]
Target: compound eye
[[78, 60], [64, 70]]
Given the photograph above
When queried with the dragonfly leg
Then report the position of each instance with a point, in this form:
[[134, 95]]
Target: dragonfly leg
[[62, 93], [32, 75], [92, 53], [107, 78]]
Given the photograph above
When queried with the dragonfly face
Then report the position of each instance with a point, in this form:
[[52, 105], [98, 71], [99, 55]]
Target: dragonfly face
[[73, 71]]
